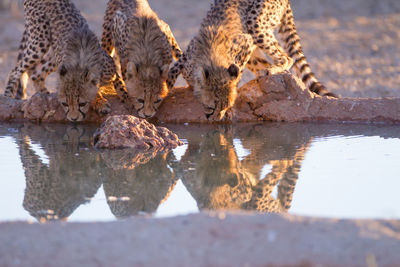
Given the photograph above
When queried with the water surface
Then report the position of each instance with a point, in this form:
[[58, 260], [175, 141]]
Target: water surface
[[52, 172]]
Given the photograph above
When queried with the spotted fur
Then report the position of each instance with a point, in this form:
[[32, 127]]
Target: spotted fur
[[57, 38], [145, 47], [236, 34]]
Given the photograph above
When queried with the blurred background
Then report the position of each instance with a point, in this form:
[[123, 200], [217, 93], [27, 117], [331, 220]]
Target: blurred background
[[352, 46]]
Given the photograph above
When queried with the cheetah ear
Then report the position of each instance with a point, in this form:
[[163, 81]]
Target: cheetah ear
[[233, 71], [63, 70]]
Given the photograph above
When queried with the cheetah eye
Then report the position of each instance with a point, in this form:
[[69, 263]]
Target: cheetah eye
[[82, 104], [86, 73], [206, 73], [158, 101], [233, 71], [64, 104], [63, 70], [141, 101]]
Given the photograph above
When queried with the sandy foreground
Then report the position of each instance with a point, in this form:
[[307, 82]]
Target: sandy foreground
[[207, 239], [352, 46]]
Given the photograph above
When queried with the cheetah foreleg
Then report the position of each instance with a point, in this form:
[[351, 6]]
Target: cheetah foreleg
[[269, 45], [258, 64], [176, 50], [101, 105], [110, 76], [41, 72], [174, 72]]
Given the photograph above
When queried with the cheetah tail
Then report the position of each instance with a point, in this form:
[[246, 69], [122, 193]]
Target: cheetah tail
[[289, 36]]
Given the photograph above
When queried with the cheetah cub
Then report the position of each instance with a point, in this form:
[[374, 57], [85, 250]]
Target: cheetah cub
[[57, 38], [145, 47], [238, 34]]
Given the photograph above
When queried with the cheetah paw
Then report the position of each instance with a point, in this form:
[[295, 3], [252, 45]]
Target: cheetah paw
[[103, 108]]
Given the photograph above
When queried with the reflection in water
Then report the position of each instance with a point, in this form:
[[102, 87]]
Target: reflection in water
[[216, 178], [72, 177], [285, 153], [137, 189], [211, 171], [215, 172], [132, 181]]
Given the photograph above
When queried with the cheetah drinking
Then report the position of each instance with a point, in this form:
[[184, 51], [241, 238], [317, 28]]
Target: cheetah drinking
[[145, 47], [57, 38], [236, 34]]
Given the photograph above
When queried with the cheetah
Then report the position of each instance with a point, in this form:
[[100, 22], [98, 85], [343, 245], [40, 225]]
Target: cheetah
[[57, 39], [144, 46], [236, 34]]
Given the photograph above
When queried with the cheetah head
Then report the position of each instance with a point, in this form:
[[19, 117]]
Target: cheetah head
[[146, 85], [216, 89], [77, 89]]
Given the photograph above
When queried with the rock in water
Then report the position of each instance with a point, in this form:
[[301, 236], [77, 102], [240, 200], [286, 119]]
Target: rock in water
[[126, 131]]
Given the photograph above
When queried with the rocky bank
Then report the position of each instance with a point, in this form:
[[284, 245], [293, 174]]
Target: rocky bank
[[280, 97]]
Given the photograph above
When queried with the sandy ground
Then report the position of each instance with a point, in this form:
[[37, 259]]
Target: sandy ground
[[352, 45], [206, 239]]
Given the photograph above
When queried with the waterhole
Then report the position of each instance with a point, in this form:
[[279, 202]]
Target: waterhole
[[52, 172]]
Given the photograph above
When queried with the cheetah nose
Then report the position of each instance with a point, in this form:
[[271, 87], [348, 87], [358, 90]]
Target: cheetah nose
[[208, 113], [149, 114], [74, 119]]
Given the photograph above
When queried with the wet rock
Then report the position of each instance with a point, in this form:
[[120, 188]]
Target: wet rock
[[125, 131]]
